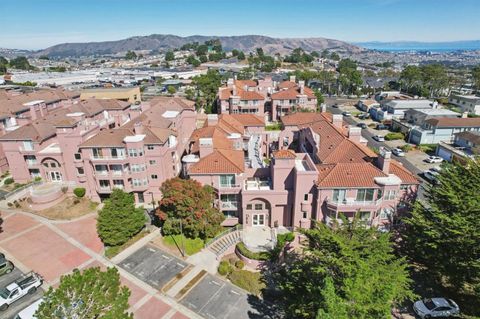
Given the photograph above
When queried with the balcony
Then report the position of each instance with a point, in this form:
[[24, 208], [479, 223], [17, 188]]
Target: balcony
[[31, 163], [101, 173], [104, 189], [107, 158], [232, 205], [256, 184], [229, 185], [353, 205]]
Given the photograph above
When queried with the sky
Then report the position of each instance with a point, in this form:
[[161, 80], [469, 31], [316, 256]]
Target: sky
[[37, 24]]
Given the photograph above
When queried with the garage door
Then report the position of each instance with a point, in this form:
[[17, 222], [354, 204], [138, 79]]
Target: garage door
[[444, 153]]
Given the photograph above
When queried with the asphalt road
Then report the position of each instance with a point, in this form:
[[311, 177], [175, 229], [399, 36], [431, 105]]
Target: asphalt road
[[372, 143]]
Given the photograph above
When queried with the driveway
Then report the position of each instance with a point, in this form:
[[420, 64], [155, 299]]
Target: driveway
[[21, 304], [54, 248]]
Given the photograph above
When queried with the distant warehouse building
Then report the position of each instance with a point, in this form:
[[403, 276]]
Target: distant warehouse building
[[468, 103], [128, 94]]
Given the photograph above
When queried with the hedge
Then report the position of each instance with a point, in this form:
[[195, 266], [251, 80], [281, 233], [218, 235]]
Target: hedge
[[79, 192], [394, 136], [244, 251], [224, 268], [8, 181]]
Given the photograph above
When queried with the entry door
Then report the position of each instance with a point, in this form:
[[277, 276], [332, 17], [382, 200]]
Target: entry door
[[141, 199], [56, 176], [258, 219]]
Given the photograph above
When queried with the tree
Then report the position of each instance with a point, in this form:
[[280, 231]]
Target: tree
[[435, 79], [171, 89], [187, 205], [130, 55], [190, 94], [319, 96], [20, 63], [241, 56], [119, 220], [89, 294], [207, 86], [169, 56], [3, 65], [202, 50], [476, 76], [443, 234], [347, 271], [192, 61]]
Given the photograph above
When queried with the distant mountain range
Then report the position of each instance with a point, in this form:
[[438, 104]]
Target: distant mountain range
[[245, 43], [421, 46]]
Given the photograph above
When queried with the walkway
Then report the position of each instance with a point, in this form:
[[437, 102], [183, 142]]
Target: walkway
[[54, 248]]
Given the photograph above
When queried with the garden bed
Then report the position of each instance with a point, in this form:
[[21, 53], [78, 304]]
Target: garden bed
[[192, 246], [232, 269], [69, 208], [112, 251]]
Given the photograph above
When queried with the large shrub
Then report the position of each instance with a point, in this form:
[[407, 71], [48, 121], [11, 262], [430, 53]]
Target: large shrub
[[8, 181], [224, 268], [244, 251], [79, 192], [394, 136]]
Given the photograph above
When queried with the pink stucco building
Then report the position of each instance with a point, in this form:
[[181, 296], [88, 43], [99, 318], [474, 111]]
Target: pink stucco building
[[19, 108], [321, 170], [265, 98], [101, 144]]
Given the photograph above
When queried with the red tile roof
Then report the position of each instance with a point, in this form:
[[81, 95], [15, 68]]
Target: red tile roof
[[302, 118], [286, 85], [287, 154], [292, 93], [348, 175], [404, 174], [220, 161]]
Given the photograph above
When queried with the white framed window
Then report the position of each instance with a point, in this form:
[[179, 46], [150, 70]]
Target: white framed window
[[227, 180]]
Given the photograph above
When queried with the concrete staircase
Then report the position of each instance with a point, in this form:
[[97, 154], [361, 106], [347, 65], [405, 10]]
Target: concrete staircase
[[224, 242]]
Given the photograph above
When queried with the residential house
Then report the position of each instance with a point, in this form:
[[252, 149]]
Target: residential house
[[467, 103], [466, 145], [395, 109], [442, 129]]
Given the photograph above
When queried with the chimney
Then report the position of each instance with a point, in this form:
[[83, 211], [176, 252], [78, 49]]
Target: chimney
[[206, 146], [292, 78], [337, 120], [384, 160], [464, 115], [355, 134], [323, 107], [302, 86], [230, 82], [234, 90], [212, 119], [245, 87], [138, 128], [33, 113]]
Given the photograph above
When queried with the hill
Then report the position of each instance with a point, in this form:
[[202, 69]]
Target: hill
[[162, 42]]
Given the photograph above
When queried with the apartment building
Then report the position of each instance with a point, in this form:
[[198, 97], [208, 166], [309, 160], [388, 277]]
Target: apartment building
[[101, 144], [265, 98], [19, 108], [323, 171], [467, 103]]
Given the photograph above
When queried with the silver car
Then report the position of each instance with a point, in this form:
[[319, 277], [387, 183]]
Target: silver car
[[435, 308]]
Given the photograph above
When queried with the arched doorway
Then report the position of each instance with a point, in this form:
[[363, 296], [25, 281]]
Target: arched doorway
[[52, 169], [258, 210]]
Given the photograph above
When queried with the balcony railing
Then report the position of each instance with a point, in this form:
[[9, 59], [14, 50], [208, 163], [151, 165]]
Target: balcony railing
[[32, 163], [257, 184], [229, 185], [352, 202], [101, 173], [103, 158], [229, 205]]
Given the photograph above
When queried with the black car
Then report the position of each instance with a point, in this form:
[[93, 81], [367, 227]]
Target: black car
[[362, 125]]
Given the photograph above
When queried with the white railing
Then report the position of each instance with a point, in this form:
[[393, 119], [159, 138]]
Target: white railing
[[257, 184], [107, 157], [102, 173], [229, 205], [347, 202]]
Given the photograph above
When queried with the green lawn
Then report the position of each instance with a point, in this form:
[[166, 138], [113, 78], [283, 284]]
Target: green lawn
[[192, 246], [248, 280]]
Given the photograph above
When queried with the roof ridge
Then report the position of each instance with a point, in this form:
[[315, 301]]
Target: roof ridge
[[226, 157]]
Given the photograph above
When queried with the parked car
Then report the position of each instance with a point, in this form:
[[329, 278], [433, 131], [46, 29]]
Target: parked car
[[431, 175], [362, 125], [381, 127], [434, 159], [379, 138], [6, 266], [28, 312], [18, 289], [346, 113], [398, 152], [335, 105], [435, 308], [364, 116]]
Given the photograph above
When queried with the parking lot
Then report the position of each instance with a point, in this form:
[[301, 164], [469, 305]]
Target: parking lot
[[215, 298], [24, 302], [153, 266]]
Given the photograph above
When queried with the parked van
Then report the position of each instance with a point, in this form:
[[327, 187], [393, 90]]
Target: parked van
[[28, 312]]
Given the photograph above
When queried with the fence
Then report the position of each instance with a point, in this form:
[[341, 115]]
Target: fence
[[230, 230]]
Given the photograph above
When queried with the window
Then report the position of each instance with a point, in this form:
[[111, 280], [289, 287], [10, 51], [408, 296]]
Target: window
[[385, 213], [379, 194], [138, 167], [80, 171], [78, 156], [390, 195], [227, 180], [152, 162], [304, 214], [104, 183], [258, 206], [45, 164], [365, 194], [249, 207], [97, 153], [364, 215], [53, 164], [133, 152], [305, 197], [150, 147], [339, 195], [154, 176]]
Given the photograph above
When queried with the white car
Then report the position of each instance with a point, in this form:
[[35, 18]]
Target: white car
[[28, 312], [398, 152], [435, 308], [18, 289], [379, 138], [434, 159], [431, 174], [346, 113]]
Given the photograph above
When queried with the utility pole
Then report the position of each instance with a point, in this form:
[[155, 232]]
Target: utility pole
[[181, 236]]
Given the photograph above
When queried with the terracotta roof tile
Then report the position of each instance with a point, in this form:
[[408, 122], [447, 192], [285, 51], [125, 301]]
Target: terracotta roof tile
[[348, 175], [220, 162], [287, 154], [405, 175], [286, 85], [292, 93], [301, 118]]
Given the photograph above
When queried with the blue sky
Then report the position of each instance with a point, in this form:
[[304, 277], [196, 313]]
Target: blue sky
[[35, 24]]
